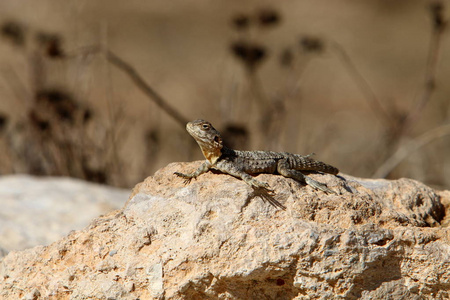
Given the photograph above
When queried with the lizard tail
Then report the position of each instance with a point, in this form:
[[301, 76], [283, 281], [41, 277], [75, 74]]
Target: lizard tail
[[308, 164], [323, 167]]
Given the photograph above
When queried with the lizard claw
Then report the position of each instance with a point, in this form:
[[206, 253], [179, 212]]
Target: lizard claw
[[318, 185], [267, 194], [186, 180], [269, 191], [265, 187]]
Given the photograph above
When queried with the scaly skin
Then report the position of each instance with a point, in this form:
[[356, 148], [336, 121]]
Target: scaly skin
[[243, 164]]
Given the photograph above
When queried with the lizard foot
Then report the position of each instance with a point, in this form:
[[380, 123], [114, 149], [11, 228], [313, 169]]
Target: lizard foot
[[318, 185], [309, 155], [268, 191], [263, 186], [187, 178], [267, 195]]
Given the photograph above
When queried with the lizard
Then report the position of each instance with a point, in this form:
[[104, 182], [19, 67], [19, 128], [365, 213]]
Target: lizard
[[244, 164]]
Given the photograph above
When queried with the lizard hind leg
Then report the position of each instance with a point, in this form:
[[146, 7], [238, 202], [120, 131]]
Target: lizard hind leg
[[256, 184], [299, 176]]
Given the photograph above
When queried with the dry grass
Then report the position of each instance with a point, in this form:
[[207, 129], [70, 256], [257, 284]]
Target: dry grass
[[77, 104]]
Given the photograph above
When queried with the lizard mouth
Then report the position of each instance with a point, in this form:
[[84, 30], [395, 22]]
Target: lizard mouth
[[189, 128]]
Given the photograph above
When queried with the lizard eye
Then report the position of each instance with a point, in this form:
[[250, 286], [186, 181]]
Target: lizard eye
[[205, 126]]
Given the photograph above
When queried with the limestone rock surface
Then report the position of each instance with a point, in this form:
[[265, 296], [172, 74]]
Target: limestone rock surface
[[40, 210], [217, 239]]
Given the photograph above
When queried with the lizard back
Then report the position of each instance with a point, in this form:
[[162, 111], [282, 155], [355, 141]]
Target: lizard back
[[267, 161]]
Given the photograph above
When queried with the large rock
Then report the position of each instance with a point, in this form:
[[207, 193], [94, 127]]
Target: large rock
[[40, 210], [216, 239]]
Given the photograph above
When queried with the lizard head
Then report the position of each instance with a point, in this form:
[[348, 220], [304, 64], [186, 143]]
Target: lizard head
[[207, 137]]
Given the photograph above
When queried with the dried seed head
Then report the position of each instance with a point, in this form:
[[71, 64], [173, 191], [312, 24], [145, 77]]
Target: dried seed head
[[268, 17], [51, 44], [3, 122], [311, 44], [249, 53], [437, 15], [13, 31], [241, 21]]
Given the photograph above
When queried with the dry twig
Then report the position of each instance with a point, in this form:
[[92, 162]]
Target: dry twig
[[361, 82], [145, 87], [138, 80], [439, 26], [408, 148]]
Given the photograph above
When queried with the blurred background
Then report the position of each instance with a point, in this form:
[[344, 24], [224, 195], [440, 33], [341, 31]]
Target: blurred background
[[101, 90]]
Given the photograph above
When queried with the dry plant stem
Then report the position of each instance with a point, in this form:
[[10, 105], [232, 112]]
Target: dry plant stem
[[146, 88], [270, 113], [430, 77], [112, 160], [361, 82], [409, 148], [17, 86], [415, 113], [258, 90], [293, 85]]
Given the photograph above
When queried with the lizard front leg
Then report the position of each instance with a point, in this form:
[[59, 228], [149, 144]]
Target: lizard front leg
[[188, 177]]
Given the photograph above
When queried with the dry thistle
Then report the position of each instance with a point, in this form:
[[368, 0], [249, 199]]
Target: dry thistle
[[250, 54]]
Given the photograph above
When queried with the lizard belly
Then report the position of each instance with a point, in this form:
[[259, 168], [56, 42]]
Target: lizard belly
[[231, 165]]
